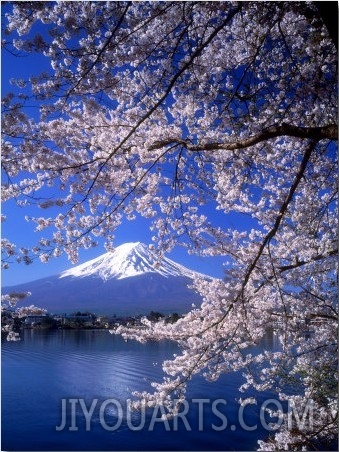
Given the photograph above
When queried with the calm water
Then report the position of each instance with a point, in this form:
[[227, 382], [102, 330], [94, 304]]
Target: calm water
[[48, 372]]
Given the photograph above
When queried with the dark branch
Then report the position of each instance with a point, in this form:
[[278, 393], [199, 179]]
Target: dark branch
[[284, 268], [329, 132], [282, 211]]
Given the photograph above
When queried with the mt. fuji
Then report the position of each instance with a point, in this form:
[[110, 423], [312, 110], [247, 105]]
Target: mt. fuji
[[130, 259], [126, 281]]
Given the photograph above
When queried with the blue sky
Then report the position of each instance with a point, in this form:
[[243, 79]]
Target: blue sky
[[17, 230], [21, 232]]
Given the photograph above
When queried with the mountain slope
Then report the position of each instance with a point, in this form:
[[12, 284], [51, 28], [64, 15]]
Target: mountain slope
[[123, 282]]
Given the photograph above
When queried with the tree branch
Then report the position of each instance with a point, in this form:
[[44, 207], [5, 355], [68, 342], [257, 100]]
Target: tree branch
[[329, 132], [284, 268], [282, 211]]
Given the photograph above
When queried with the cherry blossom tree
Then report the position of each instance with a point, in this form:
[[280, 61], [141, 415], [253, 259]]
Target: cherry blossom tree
[[170, 109], [10, 312]]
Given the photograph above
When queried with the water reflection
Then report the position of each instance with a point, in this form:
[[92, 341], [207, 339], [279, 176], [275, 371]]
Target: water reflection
[[47, 367]]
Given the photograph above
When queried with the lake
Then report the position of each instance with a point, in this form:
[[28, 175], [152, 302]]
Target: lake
[[66, 390]]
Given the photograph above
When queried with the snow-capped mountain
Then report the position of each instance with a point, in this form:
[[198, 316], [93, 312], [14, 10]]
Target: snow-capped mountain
[[126, 281], [129, 259]]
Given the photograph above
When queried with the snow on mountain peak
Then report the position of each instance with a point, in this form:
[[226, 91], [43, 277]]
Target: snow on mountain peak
[[129, 259]]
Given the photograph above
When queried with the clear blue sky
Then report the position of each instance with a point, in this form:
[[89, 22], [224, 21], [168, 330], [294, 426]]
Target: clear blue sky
[[17, 230]]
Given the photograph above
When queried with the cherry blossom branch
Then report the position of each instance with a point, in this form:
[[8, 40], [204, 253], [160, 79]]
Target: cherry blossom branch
[[298, 263], [282, 210], [171, 84], [101, 51], [329, 132], [271, 233]]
